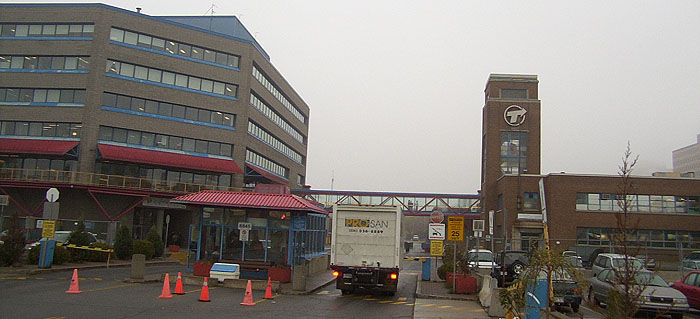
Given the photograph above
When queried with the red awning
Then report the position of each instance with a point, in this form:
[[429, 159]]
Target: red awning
[[267, 174], [138, 155], [249, 200], [31, 146]]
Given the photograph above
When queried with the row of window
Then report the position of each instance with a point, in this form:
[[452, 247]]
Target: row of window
[[514, 93], [42, 95], [639, 203], [261, 106], [164, 141], [277, 94], [176, 79], [46, 30], [643, 237], [46, 129], [39, 163], [262, 161], [44, 62], [160, 174], [168, 109], [173, 47], [260, 133]]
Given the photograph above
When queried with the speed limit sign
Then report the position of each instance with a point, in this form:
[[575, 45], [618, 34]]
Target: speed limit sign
[[455, 228]]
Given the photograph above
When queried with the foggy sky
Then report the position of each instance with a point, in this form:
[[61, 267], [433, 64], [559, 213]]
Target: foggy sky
[[396, 88]]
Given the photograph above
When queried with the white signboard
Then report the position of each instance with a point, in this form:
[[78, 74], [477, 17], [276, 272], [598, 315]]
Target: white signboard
[[243, 235], [436, 231], [52, 195], [478, 225], [246, 226]]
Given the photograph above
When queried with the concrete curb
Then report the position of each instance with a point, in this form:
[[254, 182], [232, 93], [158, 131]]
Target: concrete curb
[[79, 267], [419, 294], [307, 291]]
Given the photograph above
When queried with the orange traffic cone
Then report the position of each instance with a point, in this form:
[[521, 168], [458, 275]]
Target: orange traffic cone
[[204, 296], [178, 285], [248, 299], [74, 283], [166, 288], [268, 290]]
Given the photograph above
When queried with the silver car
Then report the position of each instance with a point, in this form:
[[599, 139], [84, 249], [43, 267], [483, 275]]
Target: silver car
[[656, 295], [614, 261]]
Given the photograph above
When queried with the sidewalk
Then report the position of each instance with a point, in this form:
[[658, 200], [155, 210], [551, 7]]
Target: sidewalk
[[25, 270]]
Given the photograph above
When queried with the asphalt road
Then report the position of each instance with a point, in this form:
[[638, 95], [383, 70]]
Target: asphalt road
[[106, 295]]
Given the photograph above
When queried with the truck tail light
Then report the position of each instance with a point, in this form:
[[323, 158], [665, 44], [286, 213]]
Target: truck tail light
[[336, 273], [393, 276]]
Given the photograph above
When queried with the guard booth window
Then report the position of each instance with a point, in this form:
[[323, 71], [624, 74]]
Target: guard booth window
[[310, 241]]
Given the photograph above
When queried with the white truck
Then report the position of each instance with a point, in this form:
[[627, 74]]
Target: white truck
[[366, 247]]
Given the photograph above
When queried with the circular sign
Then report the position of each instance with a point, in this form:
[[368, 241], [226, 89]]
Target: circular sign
[[514, 115], [437, 216], [52, 195]]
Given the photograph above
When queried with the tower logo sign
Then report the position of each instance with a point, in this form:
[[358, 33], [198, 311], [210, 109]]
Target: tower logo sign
[[514, 115]]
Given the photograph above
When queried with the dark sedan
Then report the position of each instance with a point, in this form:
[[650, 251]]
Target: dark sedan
[[656, 295]]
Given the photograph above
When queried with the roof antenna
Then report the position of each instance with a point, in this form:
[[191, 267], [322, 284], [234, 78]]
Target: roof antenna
[[138, 9], [211, 17]]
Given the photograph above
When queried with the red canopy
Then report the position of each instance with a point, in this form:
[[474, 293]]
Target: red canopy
[[249, 200], [138, 155], [32, 146]]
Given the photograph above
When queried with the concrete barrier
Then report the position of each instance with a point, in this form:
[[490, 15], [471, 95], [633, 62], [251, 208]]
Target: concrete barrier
[[486, 290], [138, 266], [495, 307]]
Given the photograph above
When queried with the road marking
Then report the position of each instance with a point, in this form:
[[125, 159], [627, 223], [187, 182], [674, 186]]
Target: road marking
[[200, 289], [402, 298], [409, 304], [398, 302], [106, 288], [386, 301], [445, 307], [462, 308], [370, 299], [325, 292], [428, 305]]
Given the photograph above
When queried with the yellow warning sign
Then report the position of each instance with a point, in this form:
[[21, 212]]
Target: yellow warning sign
[[436, 248], [455, 228], [48, 229]]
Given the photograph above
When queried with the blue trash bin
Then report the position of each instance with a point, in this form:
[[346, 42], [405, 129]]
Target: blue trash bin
[[46, 253], [426, 269], [536, 298]]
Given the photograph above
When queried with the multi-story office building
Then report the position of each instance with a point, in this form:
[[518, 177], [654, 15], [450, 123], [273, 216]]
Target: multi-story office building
[[687, 159], [581, 210], [122, 111]]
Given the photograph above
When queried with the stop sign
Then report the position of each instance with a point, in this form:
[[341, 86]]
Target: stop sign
[[436, 216]]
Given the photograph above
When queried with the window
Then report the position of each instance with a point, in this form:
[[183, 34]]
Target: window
[[513, 93], [31, 96], [173, 48], [265, 109], [181, 80], [258, 75], [531, 201], [46, 30], [513, 152]]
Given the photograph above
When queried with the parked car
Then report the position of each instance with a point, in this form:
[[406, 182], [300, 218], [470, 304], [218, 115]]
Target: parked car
[[480, 258], [62, 237], [614, 261], [566, 290], [509, 265], [656, 295], [693, 256], [689, 285], [573, 258], [690, 265], [648, 261]]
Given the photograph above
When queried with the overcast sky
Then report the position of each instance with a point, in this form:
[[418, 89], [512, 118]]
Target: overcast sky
[[396, 88]]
